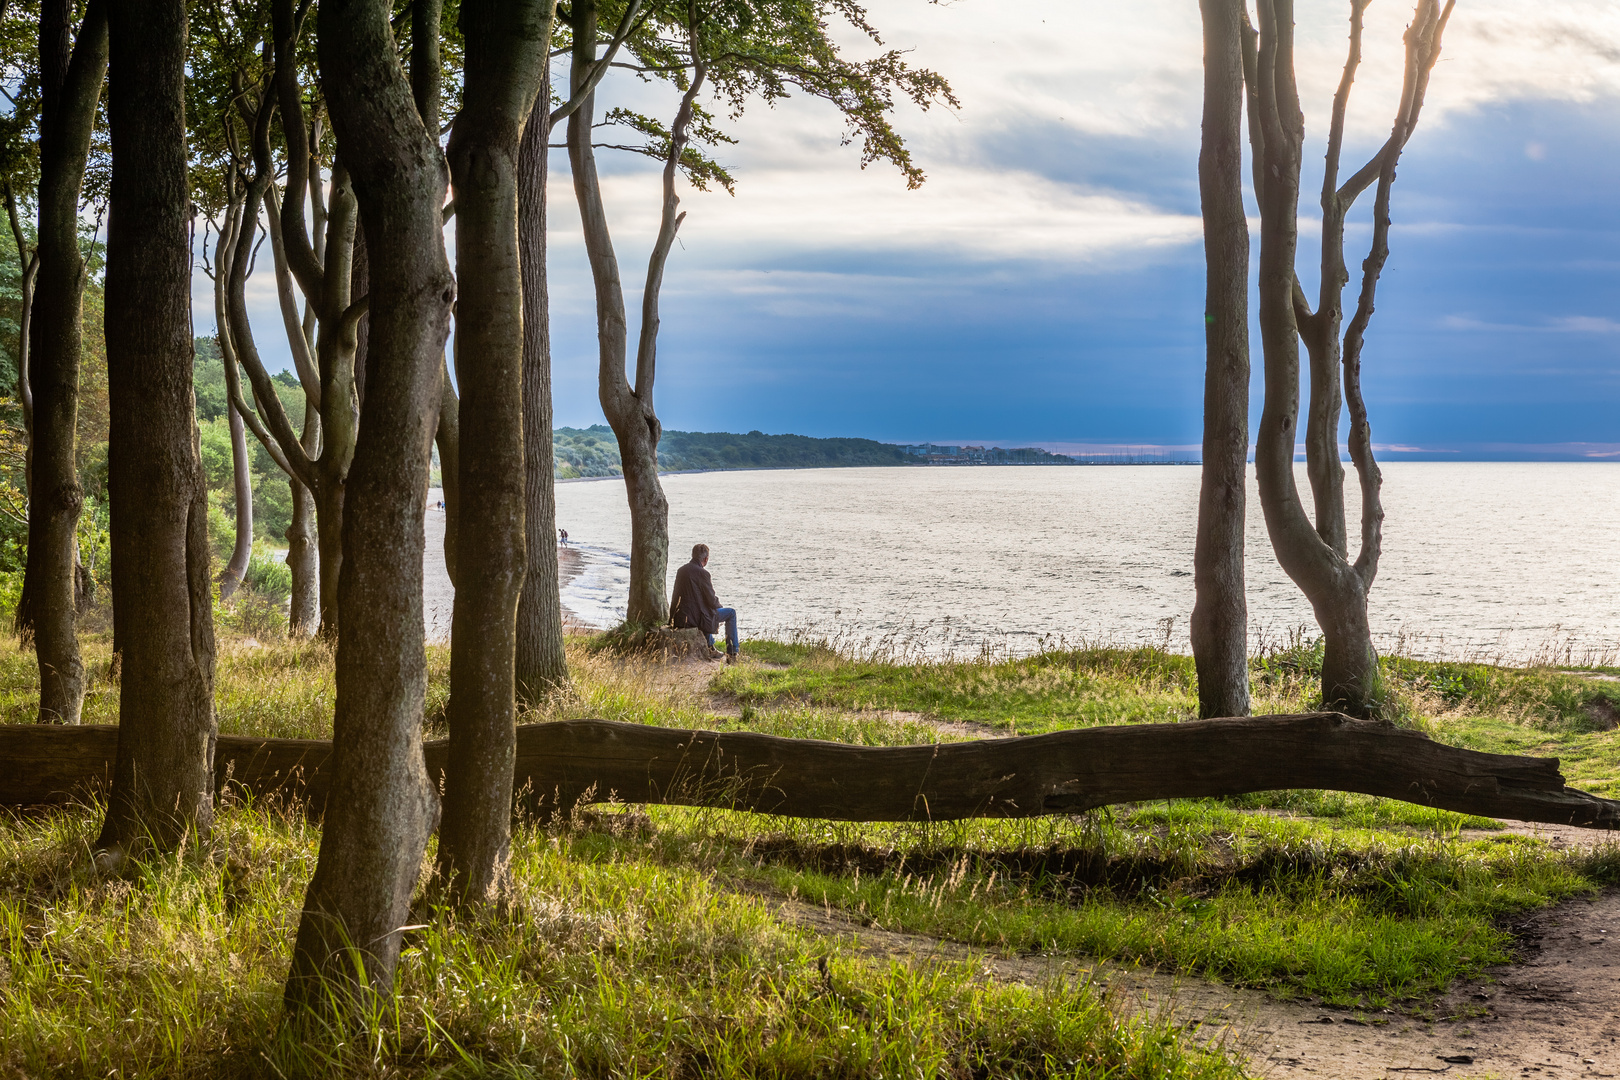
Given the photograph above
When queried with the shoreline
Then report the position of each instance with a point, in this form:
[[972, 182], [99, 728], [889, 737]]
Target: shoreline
[[438, 594], [827, 468]]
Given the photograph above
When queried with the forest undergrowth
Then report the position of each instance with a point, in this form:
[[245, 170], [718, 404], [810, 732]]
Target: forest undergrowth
[[644, 941]]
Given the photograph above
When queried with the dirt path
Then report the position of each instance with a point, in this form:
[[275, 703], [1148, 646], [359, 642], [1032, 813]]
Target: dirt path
[[1554, 1014]]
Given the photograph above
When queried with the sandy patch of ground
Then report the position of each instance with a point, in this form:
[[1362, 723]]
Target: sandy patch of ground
[[439, 596]]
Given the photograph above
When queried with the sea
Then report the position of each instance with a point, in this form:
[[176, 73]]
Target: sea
[[1482, 560]]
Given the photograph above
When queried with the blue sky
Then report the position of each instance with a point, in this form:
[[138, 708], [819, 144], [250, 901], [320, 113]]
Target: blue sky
[[1046, 284]]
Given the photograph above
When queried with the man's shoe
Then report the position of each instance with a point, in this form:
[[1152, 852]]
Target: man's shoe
[[731, 658], [713, 653]]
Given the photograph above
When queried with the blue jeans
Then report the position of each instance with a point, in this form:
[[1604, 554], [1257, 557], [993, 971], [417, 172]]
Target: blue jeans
[[729, 617]]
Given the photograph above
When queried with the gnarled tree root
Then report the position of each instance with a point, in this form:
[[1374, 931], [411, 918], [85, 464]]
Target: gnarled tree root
[[563, 764]]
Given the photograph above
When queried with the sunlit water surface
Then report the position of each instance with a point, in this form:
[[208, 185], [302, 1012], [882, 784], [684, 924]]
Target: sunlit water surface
[[1479, 558]]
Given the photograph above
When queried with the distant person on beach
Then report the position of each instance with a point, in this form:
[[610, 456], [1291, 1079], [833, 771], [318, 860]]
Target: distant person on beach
[[694, 604], [562, 537]]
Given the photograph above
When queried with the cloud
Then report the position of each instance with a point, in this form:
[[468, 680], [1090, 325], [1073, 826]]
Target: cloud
[[1567, 324], [1402, 448]]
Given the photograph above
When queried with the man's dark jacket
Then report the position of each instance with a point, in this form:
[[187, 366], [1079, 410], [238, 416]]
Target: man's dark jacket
[[693, 602]]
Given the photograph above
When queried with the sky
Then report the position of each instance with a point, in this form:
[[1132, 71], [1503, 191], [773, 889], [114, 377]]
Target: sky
[[1045, 285]]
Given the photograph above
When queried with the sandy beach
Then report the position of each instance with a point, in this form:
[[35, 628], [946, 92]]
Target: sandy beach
[[439, 596]]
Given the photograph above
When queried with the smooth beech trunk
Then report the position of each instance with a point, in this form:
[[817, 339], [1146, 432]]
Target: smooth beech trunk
[[383, 807], [542, 659], [629, 410], [427, 75], [506, 43], [30, 264], [304, 605], [71, 74], [163, 611], [235, 571], [1220, 617], [1316, 555], [448, 439]]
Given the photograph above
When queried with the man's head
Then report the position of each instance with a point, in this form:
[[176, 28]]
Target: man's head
[[700, 554]]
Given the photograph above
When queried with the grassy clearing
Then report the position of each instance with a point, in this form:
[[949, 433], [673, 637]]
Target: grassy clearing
[[639, 944], [1082, 687], [610, 963], [1349, 916]]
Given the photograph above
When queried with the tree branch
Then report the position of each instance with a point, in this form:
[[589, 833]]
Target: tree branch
[[599, 68], [309, 376], [1423, 40], [306, 268], [296, 463]]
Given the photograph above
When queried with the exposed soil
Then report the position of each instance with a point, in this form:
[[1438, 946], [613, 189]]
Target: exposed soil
[[1556, 1013]]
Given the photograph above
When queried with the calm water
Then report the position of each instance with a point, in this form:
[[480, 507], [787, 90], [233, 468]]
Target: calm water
[[1478, 557]]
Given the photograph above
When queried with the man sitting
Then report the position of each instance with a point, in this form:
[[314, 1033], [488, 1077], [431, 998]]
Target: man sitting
[[693, 603]]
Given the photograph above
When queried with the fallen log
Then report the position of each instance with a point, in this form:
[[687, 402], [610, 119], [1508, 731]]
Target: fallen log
[[566, 763]]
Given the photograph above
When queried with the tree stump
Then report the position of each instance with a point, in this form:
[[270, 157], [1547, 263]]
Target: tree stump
[[672, 644]]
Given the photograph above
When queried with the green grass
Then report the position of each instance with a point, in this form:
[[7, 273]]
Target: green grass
[[644, 942], [610, 963], [1350, 916], [1094, 685], [1048, 692]]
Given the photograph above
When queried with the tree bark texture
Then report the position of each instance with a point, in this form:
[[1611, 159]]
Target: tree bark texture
[[29, 260], [360, 285], [566, 763], [224, 251], [46, 612], [383, 807], [629, 410], [1220, 618], [162, 604], [427, 75], [448, 439], [1316, 555], [235, 571], [303, 562], [542, 659], [506, 42]]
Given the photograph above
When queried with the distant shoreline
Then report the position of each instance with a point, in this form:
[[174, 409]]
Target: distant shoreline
[[963, 465]]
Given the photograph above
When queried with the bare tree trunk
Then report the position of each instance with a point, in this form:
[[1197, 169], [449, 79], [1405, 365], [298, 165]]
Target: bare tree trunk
[[1220, 618], [304, 606], [542, 659], [29, 260], [163, 781], [46, 611], [383, 809], [360, 284], [507, 43], [235, 571], [448, 440], [629, 411], [1316, 556], [426, 75]]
